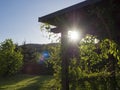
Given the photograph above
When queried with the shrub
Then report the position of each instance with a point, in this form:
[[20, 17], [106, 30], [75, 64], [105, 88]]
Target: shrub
[[10, 58]]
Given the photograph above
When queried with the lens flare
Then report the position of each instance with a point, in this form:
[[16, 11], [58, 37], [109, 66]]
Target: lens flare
[[44, 56]]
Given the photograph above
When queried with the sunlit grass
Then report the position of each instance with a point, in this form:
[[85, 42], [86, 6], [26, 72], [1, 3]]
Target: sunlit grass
[[25, 82]]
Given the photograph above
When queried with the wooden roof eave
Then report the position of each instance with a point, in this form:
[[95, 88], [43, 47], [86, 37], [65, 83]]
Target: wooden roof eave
[[55, 18]]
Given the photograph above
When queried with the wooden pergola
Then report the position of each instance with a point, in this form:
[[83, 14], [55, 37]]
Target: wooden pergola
[[85, 16]]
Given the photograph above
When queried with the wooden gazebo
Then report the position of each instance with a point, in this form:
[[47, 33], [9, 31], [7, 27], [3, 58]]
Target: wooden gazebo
[[96, 17]]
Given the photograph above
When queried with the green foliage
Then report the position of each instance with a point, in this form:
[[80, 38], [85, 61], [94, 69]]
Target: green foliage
[[92, 61], [109, 47], [30, 54], [10, 58], [56, 63], [46, 28], [89, 50]]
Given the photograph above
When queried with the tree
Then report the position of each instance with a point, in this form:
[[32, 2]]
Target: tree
[[30, 53], [10, 58]]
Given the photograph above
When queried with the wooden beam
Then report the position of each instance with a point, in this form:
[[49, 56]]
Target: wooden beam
[[56, 30], [65, 61]]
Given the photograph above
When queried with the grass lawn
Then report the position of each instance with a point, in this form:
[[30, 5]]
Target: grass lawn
[[25, 82]]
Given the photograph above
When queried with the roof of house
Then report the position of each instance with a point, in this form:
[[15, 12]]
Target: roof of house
[[54, 18]]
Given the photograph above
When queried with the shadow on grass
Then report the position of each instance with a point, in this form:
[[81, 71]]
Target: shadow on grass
[[23, 82], [39, 83], [13, 80]]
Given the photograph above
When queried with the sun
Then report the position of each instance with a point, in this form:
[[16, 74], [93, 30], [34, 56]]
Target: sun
[[73, 35]]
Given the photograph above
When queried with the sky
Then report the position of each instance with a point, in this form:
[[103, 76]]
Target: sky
[[19, 19]]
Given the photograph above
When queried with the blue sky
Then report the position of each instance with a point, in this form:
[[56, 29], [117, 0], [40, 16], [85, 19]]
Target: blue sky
[[19, 18]]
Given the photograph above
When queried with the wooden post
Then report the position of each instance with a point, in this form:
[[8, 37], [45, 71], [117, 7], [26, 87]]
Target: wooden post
[[65, 61]]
